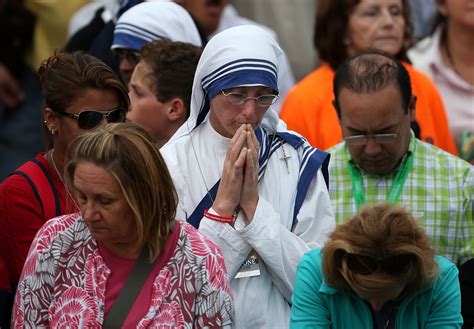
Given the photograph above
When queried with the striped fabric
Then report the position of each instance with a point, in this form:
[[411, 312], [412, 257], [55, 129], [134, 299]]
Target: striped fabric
[[150, 21], [439, 191], [312, 160]]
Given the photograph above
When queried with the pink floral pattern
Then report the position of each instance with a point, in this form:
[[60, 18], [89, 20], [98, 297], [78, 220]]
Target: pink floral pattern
[[64, 279]]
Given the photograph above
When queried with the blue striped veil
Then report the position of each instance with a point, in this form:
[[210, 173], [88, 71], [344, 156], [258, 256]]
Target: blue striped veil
[[150, 21], [239, 56]]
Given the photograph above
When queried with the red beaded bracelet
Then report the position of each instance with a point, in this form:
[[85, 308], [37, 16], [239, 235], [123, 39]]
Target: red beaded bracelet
[[219, 218]]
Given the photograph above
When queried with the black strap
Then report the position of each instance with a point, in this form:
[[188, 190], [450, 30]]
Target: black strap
[[129, 293]]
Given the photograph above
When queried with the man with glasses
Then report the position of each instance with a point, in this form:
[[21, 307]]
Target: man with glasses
[[381, 160]]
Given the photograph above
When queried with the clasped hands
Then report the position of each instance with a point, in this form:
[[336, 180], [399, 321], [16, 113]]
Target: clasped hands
[[239, 181]]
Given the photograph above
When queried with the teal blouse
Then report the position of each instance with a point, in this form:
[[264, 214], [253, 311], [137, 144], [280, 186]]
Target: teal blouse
[[317, 305]]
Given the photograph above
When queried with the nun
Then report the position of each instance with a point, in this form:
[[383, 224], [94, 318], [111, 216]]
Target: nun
[[147, 22], [256, 189]]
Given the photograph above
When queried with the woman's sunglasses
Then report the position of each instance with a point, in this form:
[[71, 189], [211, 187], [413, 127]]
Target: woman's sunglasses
[[89, 119], [364, 264]]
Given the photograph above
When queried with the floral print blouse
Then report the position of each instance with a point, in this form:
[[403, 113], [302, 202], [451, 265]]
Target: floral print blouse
[[64, 278]]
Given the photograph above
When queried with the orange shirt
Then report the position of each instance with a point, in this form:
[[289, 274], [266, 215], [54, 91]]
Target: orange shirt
[[308, 110]]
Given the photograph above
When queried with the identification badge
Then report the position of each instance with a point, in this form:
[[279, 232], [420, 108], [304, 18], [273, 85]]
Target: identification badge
[[251, 266]]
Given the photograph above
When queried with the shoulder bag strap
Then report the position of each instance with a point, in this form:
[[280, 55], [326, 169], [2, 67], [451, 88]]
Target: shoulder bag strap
[[129, 293]]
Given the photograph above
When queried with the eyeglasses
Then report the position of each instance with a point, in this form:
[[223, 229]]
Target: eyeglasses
[[131, 56], [89, 119], [378, 138], [364, 264], [239, 99]]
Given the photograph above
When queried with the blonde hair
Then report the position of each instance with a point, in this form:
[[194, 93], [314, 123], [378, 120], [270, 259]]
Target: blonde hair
[[379, 231], [129, 154]]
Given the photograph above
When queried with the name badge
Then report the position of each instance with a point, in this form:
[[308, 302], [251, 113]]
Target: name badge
[[250, 267]]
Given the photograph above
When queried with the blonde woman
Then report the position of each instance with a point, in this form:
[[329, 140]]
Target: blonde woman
[[123, 261]]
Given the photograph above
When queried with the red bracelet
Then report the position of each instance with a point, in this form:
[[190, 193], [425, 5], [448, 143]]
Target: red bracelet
[[218, 218]]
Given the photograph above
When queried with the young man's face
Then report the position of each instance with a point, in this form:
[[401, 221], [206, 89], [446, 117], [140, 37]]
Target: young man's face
[[145, 108]]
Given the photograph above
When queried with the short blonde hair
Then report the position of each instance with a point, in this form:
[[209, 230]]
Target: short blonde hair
[[379, 231], [129, 154]]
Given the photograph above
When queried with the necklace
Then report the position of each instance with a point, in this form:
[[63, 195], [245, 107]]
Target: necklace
[[51, 157]]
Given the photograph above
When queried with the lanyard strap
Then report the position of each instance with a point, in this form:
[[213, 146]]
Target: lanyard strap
[[397, 185]]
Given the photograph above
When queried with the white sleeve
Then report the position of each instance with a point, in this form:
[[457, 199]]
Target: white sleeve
[[234, 247], [280, 249]]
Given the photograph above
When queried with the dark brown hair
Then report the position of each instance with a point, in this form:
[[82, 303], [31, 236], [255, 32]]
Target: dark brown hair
[[330, 29], [173, 65], [129, 153], [65, 76], [379, 231], [369, 72]]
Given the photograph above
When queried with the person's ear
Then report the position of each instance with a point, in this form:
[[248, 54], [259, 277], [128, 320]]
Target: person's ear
[[176, 110], [50, 120], [412, 107]]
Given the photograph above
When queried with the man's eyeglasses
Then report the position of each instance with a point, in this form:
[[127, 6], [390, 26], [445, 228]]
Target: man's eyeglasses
[[239, 99], [364, 264], [89, 119], [378, 138], [131, 56]]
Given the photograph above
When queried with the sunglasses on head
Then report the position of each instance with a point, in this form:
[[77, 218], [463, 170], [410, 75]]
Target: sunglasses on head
[[364, 264], [89, 119]]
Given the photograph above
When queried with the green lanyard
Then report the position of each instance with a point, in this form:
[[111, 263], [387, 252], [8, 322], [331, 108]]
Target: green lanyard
[[397, 185]]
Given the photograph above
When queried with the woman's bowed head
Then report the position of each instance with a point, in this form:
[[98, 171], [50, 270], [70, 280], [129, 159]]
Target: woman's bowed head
[[381, 254], [120, 208], [377, 270]]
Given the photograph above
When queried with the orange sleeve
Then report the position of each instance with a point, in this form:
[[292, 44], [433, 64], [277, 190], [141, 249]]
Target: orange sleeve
[[308, 109]]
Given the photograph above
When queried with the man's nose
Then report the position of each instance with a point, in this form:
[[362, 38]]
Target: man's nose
[[372, 147]]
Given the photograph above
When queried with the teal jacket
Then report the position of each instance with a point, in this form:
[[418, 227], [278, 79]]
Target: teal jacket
[[317, 305]]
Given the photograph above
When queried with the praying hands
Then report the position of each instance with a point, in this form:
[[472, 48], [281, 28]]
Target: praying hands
[[239, 181]]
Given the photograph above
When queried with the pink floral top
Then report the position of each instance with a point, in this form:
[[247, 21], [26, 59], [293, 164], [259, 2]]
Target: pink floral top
[[64, 278]]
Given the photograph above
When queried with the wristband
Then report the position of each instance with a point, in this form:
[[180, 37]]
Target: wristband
[[219, 218]]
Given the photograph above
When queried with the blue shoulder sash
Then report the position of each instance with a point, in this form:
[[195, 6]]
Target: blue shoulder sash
[[313, 159]]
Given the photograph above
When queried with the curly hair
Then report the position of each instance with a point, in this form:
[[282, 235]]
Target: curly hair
[[379, 231]]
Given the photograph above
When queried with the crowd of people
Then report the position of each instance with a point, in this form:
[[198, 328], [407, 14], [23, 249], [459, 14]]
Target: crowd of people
[[187, 181]]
